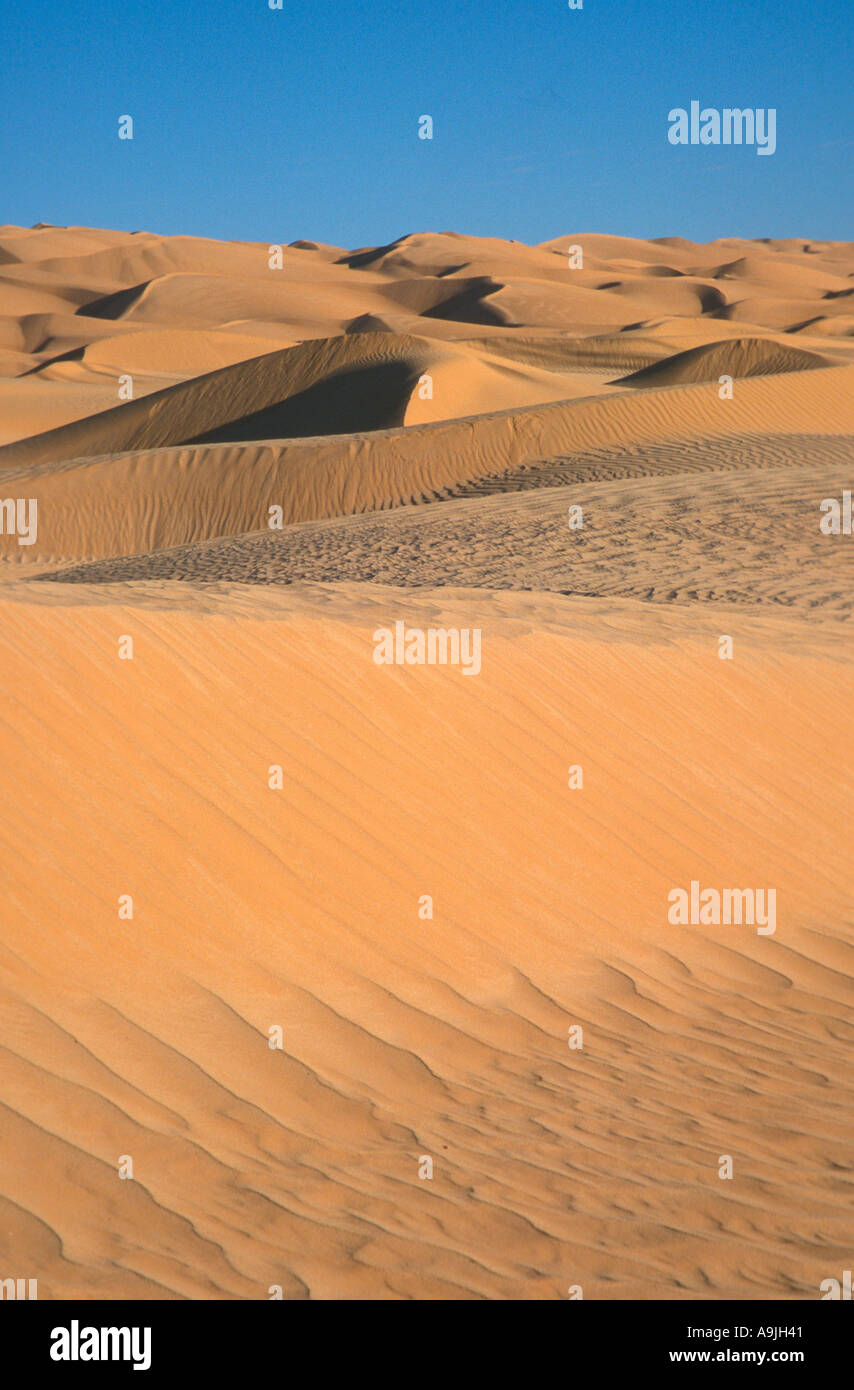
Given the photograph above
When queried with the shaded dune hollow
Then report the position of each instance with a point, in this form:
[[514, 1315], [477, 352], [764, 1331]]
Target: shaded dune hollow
[[373, 675], [364, 398]]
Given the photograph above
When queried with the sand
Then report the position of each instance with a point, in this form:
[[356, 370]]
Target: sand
[[299, 395]]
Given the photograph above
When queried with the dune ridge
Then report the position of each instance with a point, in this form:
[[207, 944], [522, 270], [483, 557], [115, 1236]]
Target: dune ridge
[[142, 501]]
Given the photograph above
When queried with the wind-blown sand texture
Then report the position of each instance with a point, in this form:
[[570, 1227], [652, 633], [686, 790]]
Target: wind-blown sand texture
[[424, 416]]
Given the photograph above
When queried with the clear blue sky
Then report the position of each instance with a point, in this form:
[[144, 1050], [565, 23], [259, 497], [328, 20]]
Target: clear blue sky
[[257, 124]]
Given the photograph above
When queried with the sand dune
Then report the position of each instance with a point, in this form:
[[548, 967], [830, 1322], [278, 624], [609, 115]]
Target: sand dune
[[405, 1038], [739, 357], [328, 386], [402, 434], [342, 383]]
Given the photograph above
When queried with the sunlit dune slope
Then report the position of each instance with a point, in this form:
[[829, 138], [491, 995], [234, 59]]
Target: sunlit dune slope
[[404, 1038]]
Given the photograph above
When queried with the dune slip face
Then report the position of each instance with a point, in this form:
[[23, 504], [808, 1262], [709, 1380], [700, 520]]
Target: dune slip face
[[426, 677]]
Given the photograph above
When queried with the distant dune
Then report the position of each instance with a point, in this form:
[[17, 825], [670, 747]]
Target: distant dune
[[737, 357], [82, 292], [614, 459]]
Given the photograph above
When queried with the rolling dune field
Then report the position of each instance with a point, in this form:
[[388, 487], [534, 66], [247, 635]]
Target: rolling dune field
[[368, 969]]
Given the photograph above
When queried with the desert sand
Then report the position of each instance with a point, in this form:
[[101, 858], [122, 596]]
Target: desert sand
[[454, 432]]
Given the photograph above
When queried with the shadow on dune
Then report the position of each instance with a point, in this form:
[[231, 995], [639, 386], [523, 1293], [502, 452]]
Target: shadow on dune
[[367, 398], [470, 306], [113, 306]]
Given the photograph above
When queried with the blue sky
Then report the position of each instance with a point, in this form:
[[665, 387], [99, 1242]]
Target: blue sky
[[270, 125]]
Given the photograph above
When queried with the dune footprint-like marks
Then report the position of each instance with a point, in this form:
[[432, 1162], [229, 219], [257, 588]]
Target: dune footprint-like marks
[[741, 534]]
